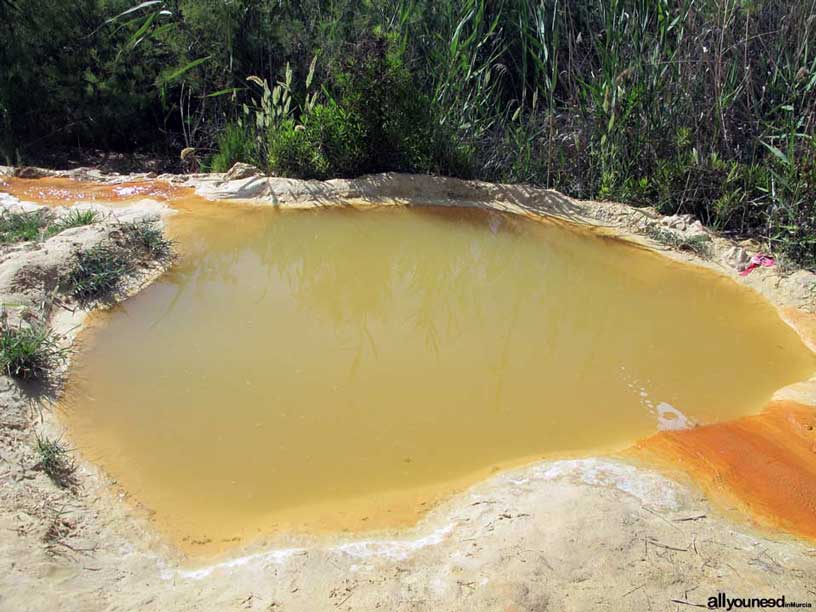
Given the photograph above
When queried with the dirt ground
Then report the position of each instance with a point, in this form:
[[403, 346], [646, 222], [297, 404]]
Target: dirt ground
[[604, 533]]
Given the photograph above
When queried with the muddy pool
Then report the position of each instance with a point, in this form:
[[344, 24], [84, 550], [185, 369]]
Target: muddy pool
[[343, 369]]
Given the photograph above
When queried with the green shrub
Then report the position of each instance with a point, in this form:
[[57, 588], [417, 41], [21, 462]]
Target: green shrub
[[379, 120], [328, 142], [234, 144], [292, 153], [396, 122], [338, 135]]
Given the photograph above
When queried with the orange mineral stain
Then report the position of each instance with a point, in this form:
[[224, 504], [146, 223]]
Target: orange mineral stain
[[61, 190], [764, 464]]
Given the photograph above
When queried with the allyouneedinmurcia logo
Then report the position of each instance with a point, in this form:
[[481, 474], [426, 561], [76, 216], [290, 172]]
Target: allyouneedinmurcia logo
[[721, 601]]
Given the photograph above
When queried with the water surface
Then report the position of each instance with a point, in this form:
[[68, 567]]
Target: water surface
[[342, 369]]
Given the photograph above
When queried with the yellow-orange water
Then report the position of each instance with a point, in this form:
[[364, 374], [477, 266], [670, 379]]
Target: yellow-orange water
[[342, 369], [56, 190]]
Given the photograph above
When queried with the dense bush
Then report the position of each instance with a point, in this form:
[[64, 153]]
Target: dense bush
[[395, 117], [377, 119], [699, 106], [328, 142], [233, 144]]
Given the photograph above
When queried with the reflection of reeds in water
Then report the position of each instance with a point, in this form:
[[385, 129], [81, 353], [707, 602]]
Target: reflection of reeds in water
[[321, 356]]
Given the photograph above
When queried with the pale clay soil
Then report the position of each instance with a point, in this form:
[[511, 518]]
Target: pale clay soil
[[581, 534]]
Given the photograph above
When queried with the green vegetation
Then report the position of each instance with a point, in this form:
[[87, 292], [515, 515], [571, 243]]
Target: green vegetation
[[704, 107], [76, 218], [98, 272], [23, 226], [29, 352], [54, 459], [147, 236], [35, 225], [232, 145], [698, 243]]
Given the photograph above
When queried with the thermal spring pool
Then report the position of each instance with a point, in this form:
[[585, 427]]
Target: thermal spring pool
[[343, 369]]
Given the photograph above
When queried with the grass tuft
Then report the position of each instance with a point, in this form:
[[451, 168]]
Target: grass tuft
[[23, 226], [147, 236], [29, 352], [74, 218], [98, 272], [55, 461], [699, 244], [28, 226]]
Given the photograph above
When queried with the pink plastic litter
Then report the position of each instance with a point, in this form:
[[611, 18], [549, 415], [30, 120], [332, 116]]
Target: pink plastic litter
[[766, 261]]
